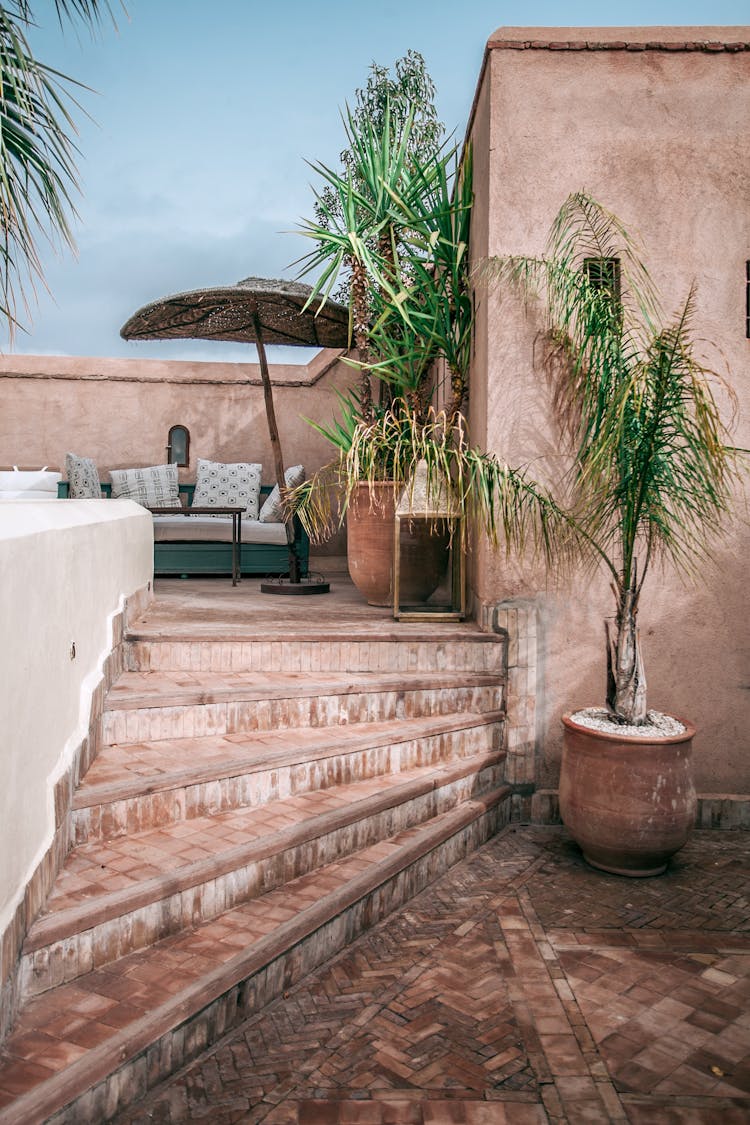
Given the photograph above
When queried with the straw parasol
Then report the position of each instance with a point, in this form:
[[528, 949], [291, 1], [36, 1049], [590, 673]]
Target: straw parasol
[[254, 311]]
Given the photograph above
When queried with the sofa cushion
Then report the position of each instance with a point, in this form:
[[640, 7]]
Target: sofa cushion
[[155, 486], [222, 485], [83, 478], [215, 529], [272, 512]]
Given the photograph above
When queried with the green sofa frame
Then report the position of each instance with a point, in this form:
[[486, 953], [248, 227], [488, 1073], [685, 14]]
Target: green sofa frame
[[187, 557]]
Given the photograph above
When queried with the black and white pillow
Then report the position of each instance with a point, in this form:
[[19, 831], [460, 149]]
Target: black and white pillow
[[272, 512], [155, 487], [222, 485], [83, 478]]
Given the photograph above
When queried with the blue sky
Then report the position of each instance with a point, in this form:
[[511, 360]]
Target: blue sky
[[194, 165]]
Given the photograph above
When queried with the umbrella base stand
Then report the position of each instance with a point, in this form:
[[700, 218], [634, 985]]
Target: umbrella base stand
[[313, 584]]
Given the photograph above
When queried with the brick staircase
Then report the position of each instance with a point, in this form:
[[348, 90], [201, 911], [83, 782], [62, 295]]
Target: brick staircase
[[255, 805]]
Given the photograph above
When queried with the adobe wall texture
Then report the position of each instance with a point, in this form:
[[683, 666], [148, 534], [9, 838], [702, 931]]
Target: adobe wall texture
[[653, 123]]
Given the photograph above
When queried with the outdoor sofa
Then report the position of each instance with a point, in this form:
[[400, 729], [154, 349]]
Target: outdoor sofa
[[202, 544]]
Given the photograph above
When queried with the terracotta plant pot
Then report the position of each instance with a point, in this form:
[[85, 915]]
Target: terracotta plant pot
[[628, 802], [369, 539]]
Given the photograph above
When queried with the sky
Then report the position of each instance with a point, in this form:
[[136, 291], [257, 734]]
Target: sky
[[193, 157]]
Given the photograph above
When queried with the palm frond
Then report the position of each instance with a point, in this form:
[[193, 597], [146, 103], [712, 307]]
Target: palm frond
[[38, 175], [653, 468]]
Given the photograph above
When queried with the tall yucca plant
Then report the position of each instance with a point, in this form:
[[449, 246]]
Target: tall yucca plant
[[652, 466], [398, 219], [357, 230], [435, 300]]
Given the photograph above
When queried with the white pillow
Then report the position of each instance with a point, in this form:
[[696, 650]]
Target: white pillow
[[154, 487], [35, 481], [272, 512], [83, 478], [222, 485]]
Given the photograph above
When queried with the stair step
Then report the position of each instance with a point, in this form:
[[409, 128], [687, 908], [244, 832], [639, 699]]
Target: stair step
[[142, 690], [114, 897], [133, 787], [89, 1048], [441, 649], [147, 706]]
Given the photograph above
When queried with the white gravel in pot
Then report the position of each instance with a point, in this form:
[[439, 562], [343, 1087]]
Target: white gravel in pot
[[658, 725]]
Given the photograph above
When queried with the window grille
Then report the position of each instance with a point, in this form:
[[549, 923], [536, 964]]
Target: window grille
[[178, 446], [604, 273]]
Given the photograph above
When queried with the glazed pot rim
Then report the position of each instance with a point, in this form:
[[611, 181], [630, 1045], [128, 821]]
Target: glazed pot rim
[[636, 739]]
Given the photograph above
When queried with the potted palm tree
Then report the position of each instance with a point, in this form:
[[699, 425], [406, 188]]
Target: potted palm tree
[[652, 475]]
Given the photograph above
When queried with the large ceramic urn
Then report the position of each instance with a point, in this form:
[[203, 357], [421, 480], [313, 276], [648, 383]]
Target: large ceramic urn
[[628, 801], [369, 547]]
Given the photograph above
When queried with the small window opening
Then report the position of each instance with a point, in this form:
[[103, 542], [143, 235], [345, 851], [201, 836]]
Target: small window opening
[[604, 273], [178, 446]]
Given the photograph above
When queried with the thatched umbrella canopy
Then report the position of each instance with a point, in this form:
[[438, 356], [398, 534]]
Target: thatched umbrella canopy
[[255, 311], [236, 312]]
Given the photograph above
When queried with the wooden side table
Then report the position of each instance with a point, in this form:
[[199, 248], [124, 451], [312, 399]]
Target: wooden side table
[[210, 510]]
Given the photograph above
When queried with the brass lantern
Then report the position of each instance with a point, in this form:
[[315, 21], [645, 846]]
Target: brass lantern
[[425, 501]]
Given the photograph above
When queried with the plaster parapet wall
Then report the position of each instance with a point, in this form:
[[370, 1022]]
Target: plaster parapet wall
[[119, 411], [656, 133], [68, 570], [711, 40]]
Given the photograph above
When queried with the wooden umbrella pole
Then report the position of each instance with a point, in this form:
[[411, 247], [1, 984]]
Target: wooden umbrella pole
[[273, 433]]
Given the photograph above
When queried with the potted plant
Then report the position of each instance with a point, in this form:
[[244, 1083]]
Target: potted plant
[[394, 223], [652, 475]]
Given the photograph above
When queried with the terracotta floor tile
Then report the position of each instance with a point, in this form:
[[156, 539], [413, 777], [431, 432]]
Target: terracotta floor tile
[[122, 1015], [33, 1045], [22, 1075], [685, 1080], [56, 1054], [563, 1054]]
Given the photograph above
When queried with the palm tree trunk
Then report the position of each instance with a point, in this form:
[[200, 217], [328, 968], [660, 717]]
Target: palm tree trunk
[[626, 676], [360, 317], [458, 389]]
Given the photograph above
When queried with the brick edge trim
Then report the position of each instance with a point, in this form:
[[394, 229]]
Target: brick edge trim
[[703, 46]]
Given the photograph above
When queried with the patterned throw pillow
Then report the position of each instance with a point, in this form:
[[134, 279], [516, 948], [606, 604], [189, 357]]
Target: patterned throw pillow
[[221, 486], [83, 478], [271, 512], [154, 487]]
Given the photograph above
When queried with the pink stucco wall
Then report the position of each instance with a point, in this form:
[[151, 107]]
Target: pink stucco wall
[[654, 125], [119, 411]]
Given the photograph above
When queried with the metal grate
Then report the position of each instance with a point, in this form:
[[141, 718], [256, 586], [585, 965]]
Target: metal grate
[[604, 273]]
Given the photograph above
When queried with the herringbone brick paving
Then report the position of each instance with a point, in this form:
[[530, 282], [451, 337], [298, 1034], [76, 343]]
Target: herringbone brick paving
[[521, 987]]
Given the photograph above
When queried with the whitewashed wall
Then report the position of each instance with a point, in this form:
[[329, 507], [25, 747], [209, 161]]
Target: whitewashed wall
[[66, 568]]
